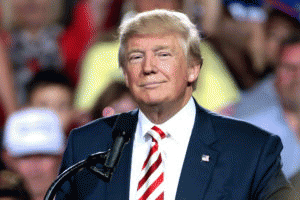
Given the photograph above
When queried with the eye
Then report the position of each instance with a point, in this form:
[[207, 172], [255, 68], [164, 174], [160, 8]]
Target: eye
[[163, 55], [135, 57]]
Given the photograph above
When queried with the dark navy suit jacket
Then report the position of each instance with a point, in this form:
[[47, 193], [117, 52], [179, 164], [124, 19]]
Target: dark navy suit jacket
[[244, 161]]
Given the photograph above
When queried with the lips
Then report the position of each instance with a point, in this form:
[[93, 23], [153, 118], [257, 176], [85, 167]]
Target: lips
[[150, 85]]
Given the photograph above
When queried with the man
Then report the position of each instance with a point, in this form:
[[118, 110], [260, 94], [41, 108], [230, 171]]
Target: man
[[273, 105], [53, 89], [33, 144], [198, 155]]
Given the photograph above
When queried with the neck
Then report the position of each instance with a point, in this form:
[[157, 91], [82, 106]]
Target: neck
[[161, 113]]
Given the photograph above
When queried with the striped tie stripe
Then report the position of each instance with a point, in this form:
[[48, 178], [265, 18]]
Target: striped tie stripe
[[150, 185]]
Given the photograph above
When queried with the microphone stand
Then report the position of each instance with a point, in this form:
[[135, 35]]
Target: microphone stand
[[108, 159], [104, 173]]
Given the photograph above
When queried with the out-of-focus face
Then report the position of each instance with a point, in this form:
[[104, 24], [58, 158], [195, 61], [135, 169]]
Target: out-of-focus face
[[99, 10], [32, 12], [146, 5], [156, 70], [279, 31], [288, 76], [56, 97], [38, 172]]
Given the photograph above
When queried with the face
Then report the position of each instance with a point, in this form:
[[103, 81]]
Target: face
[[99, 10], [32, 12], [38, 172], [288, 76], [56, 97], [157, 72], [278, 31]]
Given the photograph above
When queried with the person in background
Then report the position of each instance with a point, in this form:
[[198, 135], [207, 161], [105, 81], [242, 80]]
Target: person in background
[[34, 40], [178, 150], [88, 22], [53, 89], [273, 104], [115, 99], [279, 27], [33, 143], [236, 28], [8, 95]]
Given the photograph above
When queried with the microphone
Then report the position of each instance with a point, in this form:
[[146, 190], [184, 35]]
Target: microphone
[[121, 134]]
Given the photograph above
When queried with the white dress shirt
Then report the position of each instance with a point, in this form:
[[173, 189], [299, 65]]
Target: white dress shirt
[[173, 147]]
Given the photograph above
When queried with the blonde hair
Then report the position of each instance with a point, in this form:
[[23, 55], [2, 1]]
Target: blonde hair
[[158, 22]]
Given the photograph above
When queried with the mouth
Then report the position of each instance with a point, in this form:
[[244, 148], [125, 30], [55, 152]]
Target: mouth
[[151, 85]]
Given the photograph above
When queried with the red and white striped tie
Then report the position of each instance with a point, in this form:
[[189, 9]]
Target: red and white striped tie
[[150, 185]]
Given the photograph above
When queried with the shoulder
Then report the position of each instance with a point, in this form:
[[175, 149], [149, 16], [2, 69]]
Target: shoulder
[[241, 135], [238, 127], [95, 127], [90, 138], [98, 135], [103, 126]]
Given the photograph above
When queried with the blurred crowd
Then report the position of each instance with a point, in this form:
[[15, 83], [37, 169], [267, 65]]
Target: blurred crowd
[[59, 70]]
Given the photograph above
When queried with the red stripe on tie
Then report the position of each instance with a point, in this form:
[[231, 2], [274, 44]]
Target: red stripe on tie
[[161, 196], [152, 187], [152, 151], [152, 167], [159, 131], [150, 171]]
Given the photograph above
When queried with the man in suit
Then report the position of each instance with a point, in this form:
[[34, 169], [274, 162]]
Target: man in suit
[[200, 155]]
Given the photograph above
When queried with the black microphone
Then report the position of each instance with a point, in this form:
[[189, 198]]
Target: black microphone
[[122, 131]]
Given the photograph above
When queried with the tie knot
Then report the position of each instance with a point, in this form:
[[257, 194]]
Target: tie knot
[[157, 133]]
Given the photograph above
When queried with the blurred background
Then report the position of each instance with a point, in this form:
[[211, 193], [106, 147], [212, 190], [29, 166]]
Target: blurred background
[[62, 55]]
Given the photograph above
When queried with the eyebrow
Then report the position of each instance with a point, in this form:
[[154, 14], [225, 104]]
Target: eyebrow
[[155, 49], [161, 47]]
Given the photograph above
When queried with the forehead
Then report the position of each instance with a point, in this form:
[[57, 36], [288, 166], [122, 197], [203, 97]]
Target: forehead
[[153, 41], [52, 87]]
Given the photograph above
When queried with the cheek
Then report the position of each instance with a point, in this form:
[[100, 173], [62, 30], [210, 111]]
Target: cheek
[[66, 118], [23, 168], [284, 77], [132, 76], [166, 68], [49, 166]]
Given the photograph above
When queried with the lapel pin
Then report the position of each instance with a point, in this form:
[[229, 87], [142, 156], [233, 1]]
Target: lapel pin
[[205, 158]]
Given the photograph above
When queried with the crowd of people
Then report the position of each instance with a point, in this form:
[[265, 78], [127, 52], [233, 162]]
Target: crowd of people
[[60, 69]]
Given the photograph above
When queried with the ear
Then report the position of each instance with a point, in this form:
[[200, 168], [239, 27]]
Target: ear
[[193, 72], [125, 76]]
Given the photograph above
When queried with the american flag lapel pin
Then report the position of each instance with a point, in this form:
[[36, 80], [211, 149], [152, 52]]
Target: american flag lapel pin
[[205, 158]]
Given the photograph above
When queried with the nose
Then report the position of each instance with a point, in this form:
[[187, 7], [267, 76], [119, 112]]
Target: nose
[[150, 64]]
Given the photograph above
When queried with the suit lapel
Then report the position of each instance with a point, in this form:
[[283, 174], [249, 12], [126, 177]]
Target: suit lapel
[[200, 159], [118, 187], [196, 171]]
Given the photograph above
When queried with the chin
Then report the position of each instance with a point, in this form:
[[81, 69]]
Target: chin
[[151, 102]]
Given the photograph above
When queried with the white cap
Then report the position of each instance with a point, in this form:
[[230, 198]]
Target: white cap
[[33, 131]]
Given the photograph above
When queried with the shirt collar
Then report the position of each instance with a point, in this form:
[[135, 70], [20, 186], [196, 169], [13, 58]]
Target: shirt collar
[[181, 122]]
